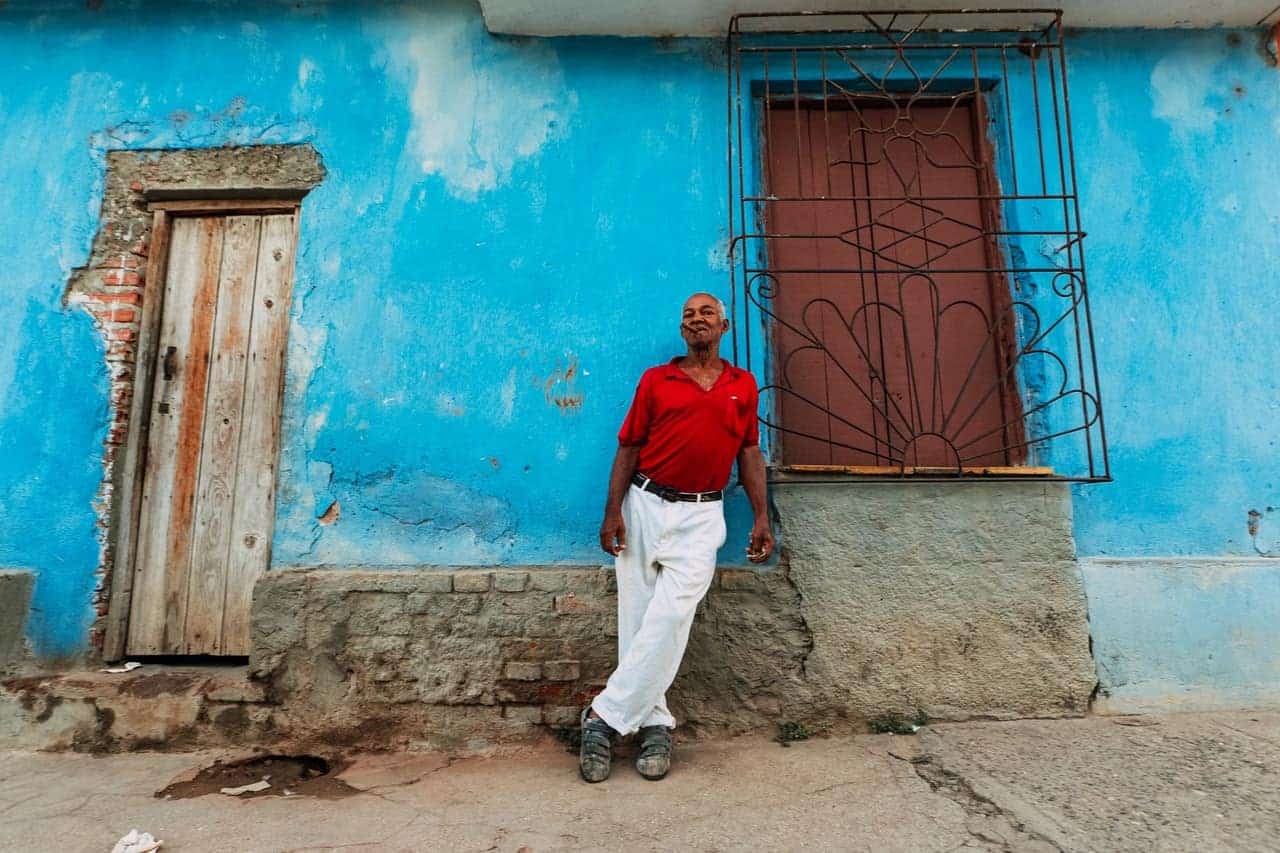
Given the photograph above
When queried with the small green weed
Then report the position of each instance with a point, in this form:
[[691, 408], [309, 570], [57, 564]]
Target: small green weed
[[895, 724], [790, 732]]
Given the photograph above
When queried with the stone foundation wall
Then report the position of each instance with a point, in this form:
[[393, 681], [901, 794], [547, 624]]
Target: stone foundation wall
[[950, 601], [465, 658]]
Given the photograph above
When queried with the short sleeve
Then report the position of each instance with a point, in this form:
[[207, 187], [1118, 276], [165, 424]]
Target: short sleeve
[[635, 429], [751, 437]]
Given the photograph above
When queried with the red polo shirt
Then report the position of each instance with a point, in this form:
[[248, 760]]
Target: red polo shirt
[[688, 437]]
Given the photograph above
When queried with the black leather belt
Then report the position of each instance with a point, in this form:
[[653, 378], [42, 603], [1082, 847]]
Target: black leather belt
[[669, 494]]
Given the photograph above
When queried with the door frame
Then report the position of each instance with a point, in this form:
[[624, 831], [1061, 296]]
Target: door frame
[[127, 479]]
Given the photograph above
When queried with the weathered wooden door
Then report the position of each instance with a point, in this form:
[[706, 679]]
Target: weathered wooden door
[[208, 482]]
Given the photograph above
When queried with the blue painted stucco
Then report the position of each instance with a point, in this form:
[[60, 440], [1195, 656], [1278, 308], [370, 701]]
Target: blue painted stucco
[[1177, 633], [1177, 136], [504, 234]]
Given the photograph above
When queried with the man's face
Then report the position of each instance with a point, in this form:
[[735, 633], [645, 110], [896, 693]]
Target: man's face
[[701, 322]]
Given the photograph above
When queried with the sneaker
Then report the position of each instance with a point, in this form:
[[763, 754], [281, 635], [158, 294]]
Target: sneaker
[[654, 759], [595, 755]]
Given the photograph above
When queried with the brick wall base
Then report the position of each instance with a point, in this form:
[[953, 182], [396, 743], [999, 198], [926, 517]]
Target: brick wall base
[[463, 659]]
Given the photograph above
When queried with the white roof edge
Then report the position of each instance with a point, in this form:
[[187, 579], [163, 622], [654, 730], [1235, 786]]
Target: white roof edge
[[710, 18]]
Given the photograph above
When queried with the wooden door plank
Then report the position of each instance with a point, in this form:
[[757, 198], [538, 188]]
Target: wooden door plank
[[220, 444], [177, 415], [254, 517]]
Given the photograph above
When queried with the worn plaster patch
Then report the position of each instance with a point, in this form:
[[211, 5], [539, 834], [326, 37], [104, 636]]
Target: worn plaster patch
[[507, 396], [718, 256], [421, 499], [1181, 86], [234, 123], [479, 104], [302, 98]]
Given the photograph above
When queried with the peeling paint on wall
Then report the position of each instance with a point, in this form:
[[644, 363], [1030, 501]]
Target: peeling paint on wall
[[1254, 526], [478, 104], [561, 387], [1182, 86]]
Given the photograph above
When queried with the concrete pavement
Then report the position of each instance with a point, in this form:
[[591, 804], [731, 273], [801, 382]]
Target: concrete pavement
[[1190, 782]]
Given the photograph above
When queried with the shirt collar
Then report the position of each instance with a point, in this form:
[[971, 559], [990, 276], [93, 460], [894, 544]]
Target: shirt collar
[[674, 372]]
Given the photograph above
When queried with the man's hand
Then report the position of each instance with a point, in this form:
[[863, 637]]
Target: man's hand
[[761, 544], [613, 533], [613, 530]]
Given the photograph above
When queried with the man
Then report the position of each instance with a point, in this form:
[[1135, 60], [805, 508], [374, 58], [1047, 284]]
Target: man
[[691, 419]]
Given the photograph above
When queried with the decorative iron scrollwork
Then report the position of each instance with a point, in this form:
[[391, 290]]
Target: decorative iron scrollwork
[[915, 278]]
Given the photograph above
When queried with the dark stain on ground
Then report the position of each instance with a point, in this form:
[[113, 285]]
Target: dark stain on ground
[[26, 684], [302, 775], [26, 688], [99, 740], [232, 721], [33, 692], [50, 704], [151, 686]]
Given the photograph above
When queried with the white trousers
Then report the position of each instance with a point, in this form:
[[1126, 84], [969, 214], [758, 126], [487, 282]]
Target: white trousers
[[663, 573]]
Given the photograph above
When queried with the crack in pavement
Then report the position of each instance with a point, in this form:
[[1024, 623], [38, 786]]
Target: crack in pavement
[[957, 789], [16, 803], [405, 783], [1248, 734]]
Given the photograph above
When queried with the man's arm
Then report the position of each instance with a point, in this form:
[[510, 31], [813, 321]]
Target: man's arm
[[613, 532], [751, 475]]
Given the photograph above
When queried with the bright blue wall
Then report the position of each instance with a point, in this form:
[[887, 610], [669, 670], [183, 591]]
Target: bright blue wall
[[500, 246], [1178, 151], [505, 235]]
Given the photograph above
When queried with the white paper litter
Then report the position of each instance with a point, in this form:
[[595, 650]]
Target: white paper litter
[[128, 667], [136, 842], [251, 788]]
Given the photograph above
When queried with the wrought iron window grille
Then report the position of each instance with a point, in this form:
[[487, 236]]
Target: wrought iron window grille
[[911, 290]]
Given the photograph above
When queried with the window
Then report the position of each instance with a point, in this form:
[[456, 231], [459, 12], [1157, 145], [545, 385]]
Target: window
[[908, 266]]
